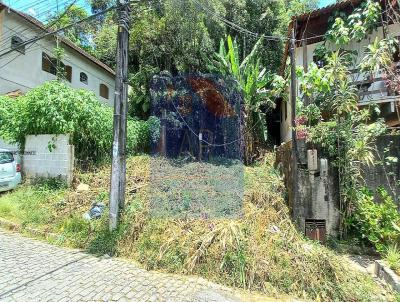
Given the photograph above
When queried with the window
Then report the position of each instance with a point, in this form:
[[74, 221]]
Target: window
[[49, 65], [16, 44], [6, 157], [68, 73], [104, 91], [84, 78]]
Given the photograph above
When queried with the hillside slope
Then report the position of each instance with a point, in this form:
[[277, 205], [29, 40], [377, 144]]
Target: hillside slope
[[260, 251]]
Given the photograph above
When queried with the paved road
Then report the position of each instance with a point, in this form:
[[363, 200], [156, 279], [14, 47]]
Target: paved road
[[32, 270]]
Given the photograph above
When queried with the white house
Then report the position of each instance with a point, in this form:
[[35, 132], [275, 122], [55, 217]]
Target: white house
[[310, 28], [33, 64]]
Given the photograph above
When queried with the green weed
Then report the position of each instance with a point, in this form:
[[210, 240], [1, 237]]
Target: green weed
[[392, 257]]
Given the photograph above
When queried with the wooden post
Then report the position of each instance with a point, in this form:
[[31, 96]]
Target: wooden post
[[293, 98], [124, 23], [305, 65], [118, 169]]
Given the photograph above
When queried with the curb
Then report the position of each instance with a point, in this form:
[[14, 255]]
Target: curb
[[383, 272], [12, 226]]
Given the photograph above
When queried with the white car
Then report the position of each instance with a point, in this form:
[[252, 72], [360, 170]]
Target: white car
[[10, 170]]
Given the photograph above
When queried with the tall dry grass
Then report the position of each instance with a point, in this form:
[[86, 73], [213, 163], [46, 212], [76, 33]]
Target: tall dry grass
[[261, 251]]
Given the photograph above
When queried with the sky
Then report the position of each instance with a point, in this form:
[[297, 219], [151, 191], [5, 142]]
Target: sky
[[34, 7], [41, 8], [323, 3]]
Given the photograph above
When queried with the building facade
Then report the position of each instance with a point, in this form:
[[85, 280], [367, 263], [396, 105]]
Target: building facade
[[28, 66], [310, 29]]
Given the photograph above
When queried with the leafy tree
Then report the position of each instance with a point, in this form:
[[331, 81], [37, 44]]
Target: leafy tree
[[298, 7], [181, 36], [80, 35], [379, 223], [347, 133]]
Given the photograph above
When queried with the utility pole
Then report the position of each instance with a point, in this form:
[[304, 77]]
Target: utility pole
[[293, 99], [118, 169]]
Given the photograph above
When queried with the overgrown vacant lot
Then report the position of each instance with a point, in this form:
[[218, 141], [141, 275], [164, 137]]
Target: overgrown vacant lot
[[260, 251]]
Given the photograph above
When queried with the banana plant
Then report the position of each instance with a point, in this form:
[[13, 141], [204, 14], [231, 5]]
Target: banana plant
[[253, 80]]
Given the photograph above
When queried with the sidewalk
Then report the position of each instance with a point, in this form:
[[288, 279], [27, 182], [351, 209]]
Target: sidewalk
[[31, 270]]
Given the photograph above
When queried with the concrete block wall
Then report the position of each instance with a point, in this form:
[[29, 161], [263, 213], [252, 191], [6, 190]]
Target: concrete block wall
[[385, 175], [41, 161], [318, 197]]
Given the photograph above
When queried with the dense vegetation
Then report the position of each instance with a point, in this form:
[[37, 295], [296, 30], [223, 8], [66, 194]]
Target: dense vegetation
[[262, 250], [55, 108], [346, 132], [182, 36]]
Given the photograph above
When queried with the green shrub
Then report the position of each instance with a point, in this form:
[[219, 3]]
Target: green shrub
[[55, 108], [377, 222], [392, 257]]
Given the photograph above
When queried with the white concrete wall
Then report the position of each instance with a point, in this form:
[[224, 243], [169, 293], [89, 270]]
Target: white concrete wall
[[393, 31], [24, 71], [286, 122], [39, 161]]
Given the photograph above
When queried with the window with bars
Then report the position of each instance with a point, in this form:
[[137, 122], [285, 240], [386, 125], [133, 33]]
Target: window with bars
[[49, 65], [16, 43], [83, 78]]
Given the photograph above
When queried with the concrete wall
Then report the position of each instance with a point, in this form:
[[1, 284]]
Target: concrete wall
[[383, 174], [24, 71], [318, 197], [286, 121], [319, 194], [40, 161]]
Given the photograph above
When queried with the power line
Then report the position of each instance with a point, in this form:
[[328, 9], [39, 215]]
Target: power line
[[15, 82], [201, 139], [13, 59], [15, 30], [237, 27], [17, 56], [22, 26], [55, 32], [42, 13]]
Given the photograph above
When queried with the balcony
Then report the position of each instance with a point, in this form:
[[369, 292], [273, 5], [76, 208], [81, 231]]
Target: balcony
[[374, 90]]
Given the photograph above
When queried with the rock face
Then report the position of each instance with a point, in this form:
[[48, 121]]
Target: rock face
[[201, 114]]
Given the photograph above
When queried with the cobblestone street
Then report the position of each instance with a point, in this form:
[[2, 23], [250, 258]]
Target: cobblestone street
[[31, 270]]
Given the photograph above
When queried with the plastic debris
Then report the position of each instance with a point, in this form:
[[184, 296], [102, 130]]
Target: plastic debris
[[95, 211]]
